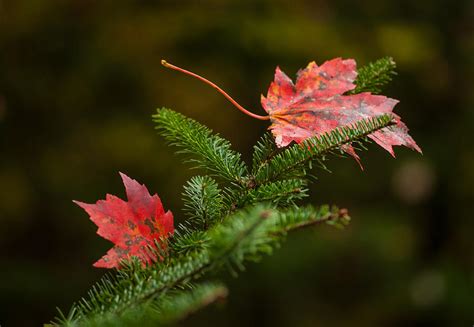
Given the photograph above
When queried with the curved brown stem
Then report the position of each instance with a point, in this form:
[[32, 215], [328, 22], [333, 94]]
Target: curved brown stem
[[221, 91]]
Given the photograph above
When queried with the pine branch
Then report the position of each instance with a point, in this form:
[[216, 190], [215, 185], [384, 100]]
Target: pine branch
[[209, 150], [246, 235], [242, 237], [303, 217], [236, 197], [188, 241], [225, 228], [178, 306], [280, 193], [294, 161], [113, 296], [372, 77], [170, 308], [202, 201], [263, 151]]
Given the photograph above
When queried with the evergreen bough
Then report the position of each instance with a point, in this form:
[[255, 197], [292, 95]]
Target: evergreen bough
[[235, 214]]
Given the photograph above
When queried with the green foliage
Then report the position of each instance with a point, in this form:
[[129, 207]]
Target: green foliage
[[372, 77], [178, 305], [168, 308], [263, 151], [210, 151], [280, 193], [297, 218], [296, 160], [187, 241], [226, 226], [202, 201], [243, 236]]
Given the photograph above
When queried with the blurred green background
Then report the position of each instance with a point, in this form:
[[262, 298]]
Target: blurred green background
[[79, 80]]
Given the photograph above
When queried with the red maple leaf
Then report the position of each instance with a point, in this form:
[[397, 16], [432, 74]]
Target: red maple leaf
[[315, 104], [133, 226]]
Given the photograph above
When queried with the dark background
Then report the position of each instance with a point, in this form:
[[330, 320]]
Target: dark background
[[80, 79]]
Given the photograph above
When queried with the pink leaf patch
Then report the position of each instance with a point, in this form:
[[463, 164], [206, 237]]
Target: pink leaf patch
[[315, 104], [133, 225]]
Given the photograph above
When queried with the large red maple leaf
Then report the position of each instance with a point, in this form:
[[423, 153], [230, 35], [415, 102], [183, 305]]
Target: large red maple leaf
[[315, 104], [133, 226]]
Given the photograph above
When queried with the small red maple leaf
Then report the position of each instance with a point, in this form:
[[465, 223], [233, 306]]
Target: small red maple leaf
[[316, 104], [133, 226]]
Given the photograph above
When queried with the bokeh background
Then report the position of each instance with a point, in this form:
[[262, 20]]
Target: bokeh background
[[79, 80]]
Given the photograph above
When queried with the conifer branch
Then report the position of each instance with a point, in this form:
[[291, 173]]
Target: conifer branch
[[178, 306], [245, 220], [376, 74], [187, 241], [246, 235], [263, 151], [294, 161], [202, 201], [303, 217], [280, 193], [172, 307], [210, 151], [235, 197]]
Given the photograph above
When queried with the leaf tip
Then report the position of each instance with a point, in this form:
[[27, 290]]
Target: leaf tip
[[80, 204], [123, 175], [417, 148], [127, 181]]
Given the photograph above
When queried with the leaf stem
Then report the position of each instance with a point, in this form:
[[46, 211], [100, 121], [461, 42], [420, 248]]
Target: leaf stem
[[221, 91]]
